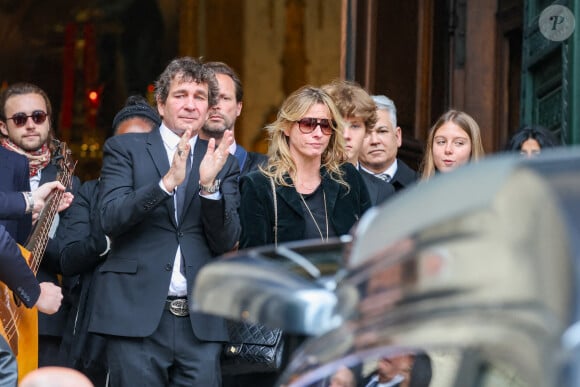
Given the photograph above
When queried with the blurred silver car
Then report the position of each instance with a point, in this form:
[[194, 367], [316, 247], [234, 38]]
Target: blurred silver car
[[469, 279]]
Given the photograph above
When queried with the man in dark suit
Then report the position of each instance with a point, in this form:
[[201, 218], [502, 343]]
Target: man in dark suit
[[360, 115], [15, 273], [164, 224], [84, 247], [224, 114], [379, 151], [25, 125]]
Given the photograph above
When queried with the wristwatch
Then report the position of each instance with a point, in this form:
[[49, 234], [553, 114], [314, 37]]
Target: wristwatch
[[29, 202], [213, 188]]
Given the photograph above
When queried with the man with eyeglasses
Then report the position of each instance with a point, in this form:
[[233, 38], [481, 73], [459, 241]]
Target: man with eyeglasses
[[25, 127], [359, 112], [378, 155]]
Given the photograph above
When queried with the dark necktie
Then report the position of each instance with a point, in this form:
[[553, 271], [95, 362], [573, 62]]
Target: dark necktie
[[180, 191], [384, 177]]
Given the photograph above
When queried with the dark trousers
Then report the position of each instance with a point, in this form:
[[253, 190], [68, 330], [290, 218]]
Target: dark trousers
[[8, 368], [49, 351], [171, 356]]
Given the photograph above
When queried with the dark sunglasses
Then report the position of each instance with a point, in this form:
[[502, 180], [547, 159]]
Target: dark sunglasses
[[20, 119], [308, 125]]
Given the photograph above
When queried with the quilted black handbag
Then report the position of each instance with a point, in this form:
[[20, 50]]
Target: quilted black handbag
[[252, 348]]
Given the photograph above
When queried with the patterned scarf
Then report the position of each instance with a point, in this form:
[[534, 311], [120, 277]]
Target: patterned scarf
[[37, 159]]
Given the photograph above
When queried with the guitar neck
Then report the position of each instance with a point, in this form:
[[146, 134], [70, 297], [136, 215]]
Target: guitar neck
[[38, 239]]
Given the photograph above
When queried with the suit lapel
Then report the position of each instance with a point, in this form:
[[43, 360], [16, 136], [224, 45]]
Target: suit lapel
[[157, 151], [158, 155], [193, 182]]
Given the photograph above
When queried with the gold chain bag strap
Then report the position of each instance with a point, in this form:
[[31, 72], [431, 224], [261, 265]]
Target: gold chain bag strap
[[275, 212], [254, 348]]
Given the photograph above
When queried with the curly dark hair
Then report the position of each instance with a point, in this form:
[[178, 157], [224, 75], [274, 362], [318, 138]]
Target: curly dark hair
[[187, 69]]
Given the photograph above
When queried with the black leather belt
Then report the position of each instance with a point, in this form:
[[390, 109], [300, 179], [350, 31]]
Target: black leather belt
[[177, 306]]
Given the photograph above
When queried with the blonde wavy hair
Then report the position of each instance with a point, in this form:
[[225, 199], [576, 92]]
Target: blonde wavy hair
[[294, 108], [465, 122]]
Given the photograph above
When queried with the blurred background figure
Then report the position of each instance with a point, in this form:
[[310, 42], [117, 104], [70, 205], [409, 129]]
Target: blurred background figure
[[55, 377], [530, 140], [410, 370], [453, 141], [343, 377], [391, 372], [421, 371]]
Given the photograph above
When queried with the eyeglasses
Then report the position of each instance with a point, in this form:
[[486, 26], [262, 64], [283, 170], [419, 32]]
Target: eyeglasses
[[20, 119], [308, 125]]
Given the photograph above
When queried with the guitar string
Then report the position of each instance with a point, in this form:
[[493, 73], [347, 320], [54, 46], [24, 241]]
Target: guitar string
[[16, 316], [65, 179], [56, 198]]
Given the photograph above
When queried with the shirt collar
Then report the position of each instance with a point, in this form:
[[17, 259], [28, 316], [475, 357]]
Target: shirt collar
[[389, 171], [392, 169], [171, 139]]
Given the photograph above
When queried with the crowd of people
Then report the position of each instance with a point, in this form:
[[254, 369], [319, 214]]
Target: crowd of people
[[175, 192]]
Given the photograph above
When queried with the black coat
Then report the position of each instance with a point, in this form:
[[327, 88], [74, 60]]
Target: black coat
[[139, 217], [50, 270], [404, 176], [379, 190], [82, 243], [257, 207], [249, 161]]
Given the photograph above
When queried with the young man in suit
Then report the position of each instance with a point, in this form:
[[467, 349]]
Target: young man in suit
[[359, 112], [225, 112], [379, 151], [165, 222], [25, 127]]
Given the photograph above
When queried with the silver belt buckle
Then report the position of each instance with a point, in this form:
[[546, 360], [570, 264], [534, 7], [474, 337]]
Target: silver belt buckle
[[179, 307]]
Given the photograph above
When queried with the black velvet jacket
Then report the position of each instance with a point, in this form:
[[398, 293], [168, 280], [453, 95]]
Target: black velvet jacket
[[257, 207]]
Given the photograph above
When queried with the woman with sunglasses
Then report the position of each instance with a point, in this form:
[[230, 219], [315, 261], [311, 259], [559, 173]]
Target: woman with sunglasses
[[318, 195]]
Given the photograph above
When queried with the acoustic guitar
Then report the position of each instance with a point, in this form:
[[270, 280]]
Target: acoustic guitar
[[18, 324]]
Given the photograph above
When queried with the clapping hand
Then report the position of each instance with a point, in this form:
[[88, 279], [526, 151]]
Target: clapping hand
[[176, 173], [215, 158]]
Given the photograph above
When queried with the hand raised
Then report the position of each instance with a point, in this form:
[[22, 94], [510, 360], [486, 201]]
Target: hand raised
[[215, 158], [176, 173]]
